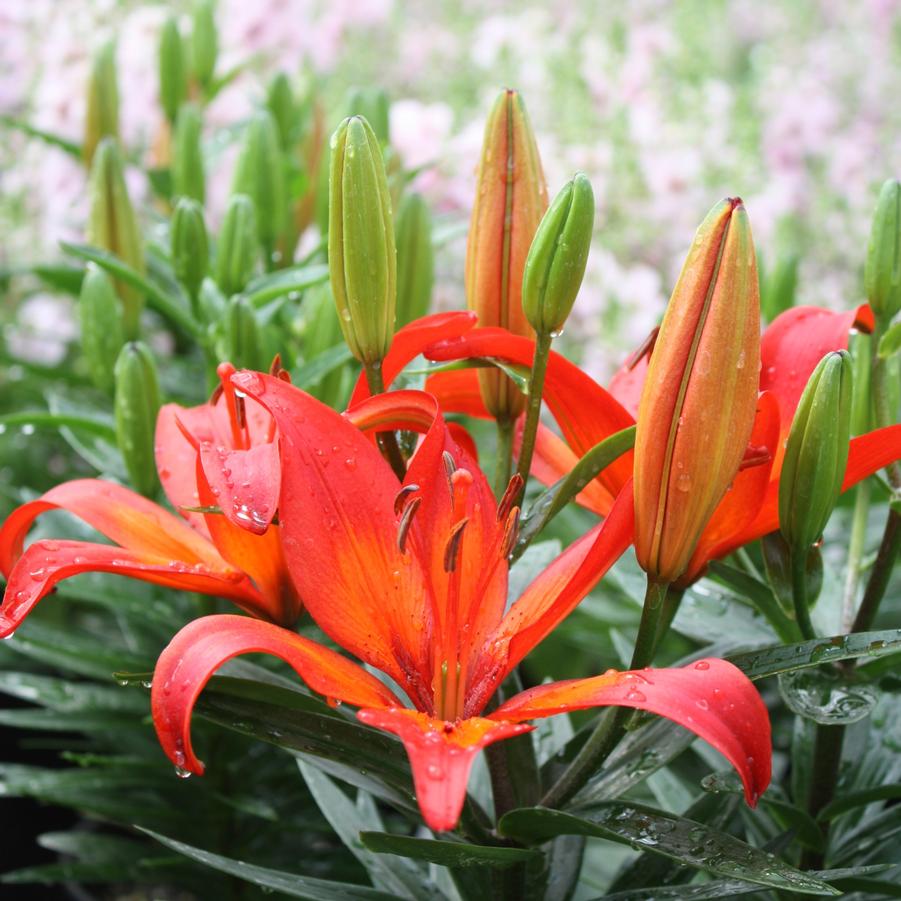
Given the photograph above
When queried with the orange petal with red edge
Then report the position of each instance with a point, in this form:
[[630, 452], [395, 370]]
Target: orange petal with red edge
[[339, 534], [711, 697], [45, 563], [441, 756], [200, 648]]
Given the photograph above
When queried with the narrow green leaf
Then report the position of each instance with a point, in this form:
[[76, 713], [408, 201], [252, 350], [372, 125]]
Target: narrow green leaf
[[555, 498], [290, 884], [168, 307], [446, 854], [286, 281], [96, 427], [859, 799], [890, 342], [55, 140], [770, 661], [685, 841], [319, 367], [400, 876], [722, 888]]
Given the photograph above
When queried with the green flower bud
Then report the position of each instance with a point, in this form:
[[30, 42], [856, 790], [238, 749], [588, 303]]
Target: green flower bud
[[280, 103], [860, 347], [136, 406], [190, 246], [556, 262], [172, 70], [778, 286], [204, 42], [882, 277], [322, 332], [362, 256], [260, 174], [187, 160], [102, 114], [817, 451], [101, 326], [243, 340], [371, 104], [112, 225], [236, 252], [415, 258]]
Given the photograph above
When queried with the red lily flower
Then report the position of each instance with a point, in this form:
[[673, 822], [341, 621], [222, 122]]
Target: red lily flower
[[412, 579], [586, 413], [217, 455]]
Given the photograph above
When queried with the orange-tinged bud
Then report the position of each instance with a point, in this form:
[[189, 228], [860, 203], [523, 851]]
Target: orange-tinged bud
[[511, 198], [699, 399]]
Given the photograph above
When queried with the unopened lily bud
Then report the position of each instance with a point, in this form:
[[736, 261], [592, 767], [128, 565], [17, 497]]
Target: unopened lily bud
[[779, 286], [511, 198], [882, 277], [280, 103], [112, 225], [817, 451], [361, 250], [415, 258], [373, 105], [172, 70], [243, 341], [190, 246], [204, 42], [101, 326], [700, 395], [188, 178], [260, 174], [136, 406], [860, 346], [556, 262], [102, 114], [236, 251]]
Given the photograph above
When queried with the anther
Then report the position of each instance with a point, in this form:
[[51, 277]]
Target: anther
[[510, 495], [645, 349], [403, 496], [452, 548], [450, 467], [406, 521], [511, 533]]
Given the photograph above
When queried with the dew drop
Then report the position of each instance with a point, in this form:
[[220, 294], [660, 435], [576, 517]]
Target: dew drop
[[702, 665]]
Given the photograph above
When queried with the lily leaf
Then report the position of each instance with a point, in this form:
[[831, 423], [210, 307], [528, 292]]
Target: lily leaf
[[157, 299], [446, 854], [555, 498], [285, 281], [681, 839], [277, 880], [771, 661]]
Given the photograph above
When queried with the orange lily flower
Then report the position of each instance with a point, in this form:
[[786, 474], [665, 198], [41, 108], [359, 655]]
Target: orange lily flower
[[587, 413], [411, 579], [217, 455]]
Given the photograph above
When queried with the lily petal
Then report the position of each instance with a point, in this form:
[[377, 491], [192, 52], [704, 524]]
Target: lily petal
[[121, 515], [201, 647], [795, 342], [45, 563], [711, 697], [410, 341], [585, 412], [458, 391], [551, 597], [339, 535], [441, 756]]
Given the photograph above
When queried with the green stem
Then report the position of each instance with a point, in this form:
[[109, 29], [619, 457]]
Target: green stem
[[881, 394], [611, 727], [880, 574], [503, 460], [533, 410], [855, 553], [387, 441], [827, 756], [799, 592]]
